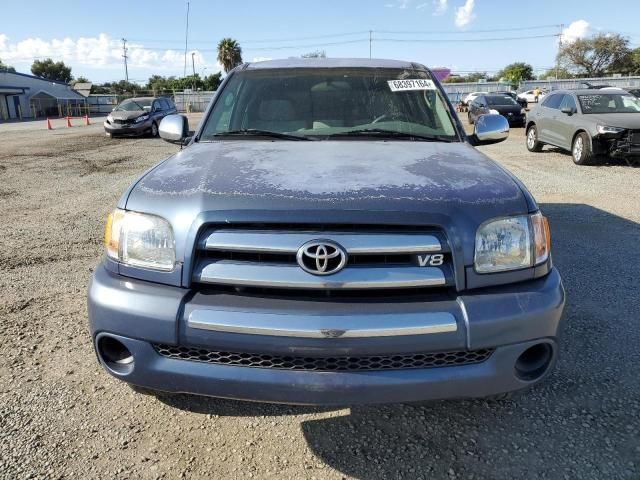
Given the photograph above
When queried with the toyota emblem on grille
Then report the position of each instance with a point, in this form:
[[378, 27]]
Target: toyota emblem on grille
[[321, 257]]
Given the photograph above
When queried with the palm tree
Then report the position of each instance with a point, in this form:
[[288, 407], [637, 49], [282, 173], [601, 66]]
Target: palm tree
[[229, 54]]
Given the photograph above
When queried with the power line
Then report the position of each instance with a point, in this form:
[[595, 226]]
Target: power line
[[365, 32], [370, 40], [462, 40], [315, 37], [464, 32]]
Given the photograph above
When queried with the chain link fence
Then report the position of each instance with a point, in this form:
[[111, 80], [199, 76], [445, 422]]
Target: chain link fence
[[573, 83], [185, 101]]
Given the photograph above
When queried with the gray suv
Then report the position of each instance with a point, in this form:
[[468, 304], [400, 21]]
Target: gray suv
[[328, 235], [589, 123]]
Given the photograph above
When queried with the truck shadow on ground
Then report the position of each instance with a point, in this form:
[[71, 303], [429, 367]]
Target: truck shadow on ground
[[582, 422]]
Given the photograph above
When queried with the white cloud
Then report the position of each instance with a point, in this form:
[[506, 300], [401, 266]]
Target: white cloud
[[101, 52], [464, 14], [404, 4], [576, 30], [440, 7], [261, 59]]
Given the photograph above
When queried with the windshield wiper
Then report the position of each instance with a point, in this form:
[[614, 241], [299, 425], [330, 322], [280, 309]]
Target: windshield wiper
[[381, 132], [260, 133]]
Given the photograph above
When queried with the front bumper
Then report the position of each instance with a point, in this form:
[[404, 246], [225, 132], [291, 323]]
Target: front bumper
[[510, 319], [116, 129]]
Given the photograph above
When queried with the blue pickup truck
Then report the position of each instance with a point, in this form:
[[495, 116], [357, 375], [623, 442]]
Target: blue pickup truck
[[329, 235]]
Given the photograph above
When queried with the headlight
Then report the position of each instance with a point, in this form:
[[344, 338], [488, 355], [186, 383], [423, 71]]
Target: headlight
[[494, 112], [512, 243], [109, 118], [140, 240], [604, 129], [141, 118]]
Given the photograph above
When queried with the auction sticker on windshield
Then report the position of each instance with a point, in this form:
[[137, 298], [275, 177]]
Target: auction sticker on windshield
[[411, 84]]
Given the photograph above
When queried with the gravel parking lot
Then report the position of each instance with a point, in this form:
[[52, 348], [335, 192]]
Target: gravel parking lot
[[61, 416]]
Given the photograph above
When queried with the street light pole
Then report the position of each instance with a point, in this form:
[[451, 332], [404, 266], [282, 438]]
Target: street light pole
[[559, 49], [193, 66]]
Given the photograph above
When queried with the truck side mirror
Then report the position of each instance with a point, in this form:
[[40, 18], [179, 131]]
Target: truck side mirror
[[489, 129], [174, 128]]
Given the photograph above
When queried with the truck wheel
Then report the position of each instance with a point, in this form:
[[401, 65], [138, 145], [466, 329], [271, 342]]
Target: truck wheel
[[581, 149], [533, 144], [154, 129]]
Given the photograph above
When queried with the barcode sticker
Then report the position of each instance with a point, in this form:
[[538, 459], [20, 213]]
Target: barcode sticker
[[411, 84]]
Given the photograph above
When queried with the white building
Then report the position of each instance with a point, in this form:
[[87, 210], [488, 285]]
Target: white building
[[28, 96]]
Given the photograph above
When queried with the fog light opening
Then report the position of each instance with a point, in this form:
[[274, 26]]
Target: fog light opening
[[533, 362], [115, 355]]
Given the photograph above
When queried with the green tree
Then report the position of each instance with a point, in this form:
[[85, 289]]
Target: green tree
[[516, 72], [159, 83], [229, 54], [6, 68], [595, 56], [628, 64], [550, 74], [469, 78], [51, 70], [212, 82], [115, 87]]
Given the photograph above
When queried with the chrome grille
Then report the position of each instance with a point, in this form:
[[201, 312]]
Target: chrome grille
[[286, 362], [264, 256]]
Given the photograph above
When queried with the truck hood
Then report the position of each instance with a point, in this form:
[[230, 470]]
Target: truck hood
[[622, 120], [346, 181], [344, 174]]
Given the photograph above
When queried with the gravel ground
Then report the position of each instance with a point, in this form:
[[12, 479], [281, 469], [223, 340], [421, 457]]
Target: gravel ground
[[61, 416]]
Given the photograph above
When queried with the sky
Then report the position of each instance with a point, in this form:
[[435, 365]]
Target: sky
[[463, 35]]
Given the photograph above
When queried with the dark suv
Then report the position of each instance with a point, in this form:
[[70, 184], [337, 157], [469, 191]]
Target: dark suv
[[329, 235], [138, 116]]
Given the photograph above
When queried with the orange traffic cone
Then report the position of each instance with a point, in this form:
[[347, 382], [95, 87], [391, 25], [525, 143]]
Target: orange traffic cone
[[68, 121], [86, 120], [49, 127]]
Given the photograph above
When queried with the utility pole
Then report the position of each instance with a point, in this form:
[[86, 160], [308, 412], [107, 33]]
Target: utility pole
[[193, 65], [370, 39], [186, 40], [124, 55], [559, 48]]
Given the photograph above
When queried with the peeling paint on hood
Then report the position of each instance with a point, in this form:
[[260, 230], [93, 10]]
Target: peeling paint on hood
[[332, 171]]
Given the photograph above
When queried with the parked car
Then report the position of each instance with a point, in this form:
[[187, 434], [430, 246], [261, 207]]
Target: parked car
[[328, 235], [498, 105], [138, 116], [530, 97], [635, 92], [521, 101], [470, 97], [589, 123]]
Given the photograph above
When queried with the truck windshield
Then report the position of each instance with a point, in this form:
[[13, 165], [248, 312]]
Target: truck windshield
[[331, 103], [609, 103]]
